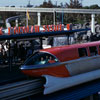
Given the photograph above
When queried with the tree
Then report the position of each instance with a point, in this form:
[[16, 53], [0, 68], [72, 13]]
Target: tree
[[73, 18], [71, 4], [47, 17], [46, 4], [94, 7], [75, 4], [50, 5]]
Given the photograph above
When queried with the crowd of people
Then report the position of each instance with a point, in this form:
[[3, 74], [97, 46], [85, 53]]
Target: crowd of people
[[15, 51]]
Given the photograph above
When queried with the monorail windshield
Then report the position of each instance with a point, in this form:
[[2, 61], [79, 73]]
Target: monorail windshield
[[41, 58]]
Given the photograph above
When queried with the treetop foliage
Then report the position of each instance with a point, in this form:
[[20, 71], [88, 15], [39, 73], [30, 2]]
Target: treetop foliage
[[71, 4]]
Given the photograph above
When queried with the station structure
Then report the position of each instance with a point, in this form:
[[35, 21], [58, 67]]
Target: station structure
[[74, 93], [54, 10]]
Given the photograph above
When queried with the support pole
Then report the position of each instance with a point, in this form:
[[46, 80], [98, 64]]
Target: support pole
[[16, 22], [98, 95], [54, 18], [26, 19], [62, 17], [10, 62], [91, 97], [39, 18], [93, 23], [68, 39], [41, 43]]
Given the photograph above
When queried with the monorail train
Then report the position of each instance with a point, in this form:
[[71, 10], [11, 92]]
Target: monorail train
[[65, 66]]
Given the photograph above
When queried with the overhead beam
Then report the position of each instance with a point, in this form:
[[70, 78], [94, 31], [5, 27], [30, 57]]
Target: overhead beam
[[50, 10]]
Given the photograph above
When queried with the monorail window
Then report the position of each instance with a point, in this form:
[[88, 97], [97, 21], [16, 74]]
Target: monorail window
[[41, 58], [93, 51], [82, 52]]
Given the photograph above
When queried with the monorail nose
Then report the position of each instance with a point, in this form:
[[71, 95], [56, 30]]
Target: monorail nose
[[28, 67], [24, 67]]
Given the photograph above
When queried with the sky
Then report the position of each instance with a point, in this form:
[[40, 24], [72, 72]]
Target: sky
[[38, 2]]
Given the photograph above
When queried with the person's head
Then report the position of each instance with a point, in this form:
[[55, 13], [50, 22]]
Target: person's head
[[46, 57], [42, 58], [50, 58]]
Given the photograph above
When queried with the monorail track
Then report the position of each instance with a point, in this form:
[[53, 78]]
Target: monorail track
[[21, 89], [26, 88]]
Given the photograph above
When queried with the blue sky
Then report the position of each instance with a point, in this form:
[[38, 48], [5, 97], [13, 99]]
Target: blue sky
[[37, 2]]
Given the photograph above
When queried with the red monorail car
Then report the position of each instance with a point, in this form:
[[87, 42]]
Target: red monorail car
[[75, 56], [65, 66]]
